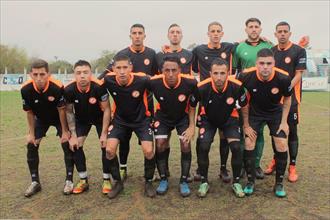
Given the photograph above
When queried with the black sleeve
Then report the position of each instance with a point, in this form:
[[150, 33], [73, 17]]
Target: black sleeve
[[25, 101], [242, 101], [60, 101], [102, 94], [154, 68], [194, 98], [68, 95], [301, 60], [286, 83], [195, 61]]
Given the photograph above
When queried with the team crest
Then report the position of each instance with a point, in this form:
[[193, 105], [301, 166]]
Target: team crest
[[181, 97], [223, 55], [201, 130], [146, 61], [156, 124], [230, 100], [92, 100], [135, 93], [51, 98], [275, 90], [287, 60], [183, 60]]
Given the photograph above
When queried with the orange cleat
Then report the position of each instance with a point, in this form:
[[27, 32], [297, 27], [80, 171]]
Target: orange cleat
[[293, 176], [271, 167]]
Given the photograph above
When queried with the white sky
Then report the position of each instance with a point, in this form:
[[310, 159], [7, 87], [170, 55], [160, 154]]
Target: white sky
[[73, 30]]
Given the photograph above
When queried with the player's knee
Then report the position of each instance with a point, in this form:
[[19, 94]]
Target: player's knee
[[249, 144], [281, 144], [235, 147], [161, 144], [149, 154], [110, 153]]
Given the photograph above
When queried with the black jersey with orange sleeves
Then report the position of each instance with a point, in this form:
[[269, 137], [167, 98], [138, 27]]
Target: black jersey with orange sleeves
[[44, 104], [86, 104], [143, 61], [185, 56], [173, 103], [204, 56], [291, 59], [131, 105], [265, 96], [219, 106]]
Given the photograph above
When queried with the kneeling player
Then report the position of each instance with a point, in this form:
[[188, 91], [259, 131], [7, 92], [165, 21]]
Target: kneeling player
[[267, 86], [175, 94], [44, 104], [129, 92], [218, 95], [87, 105]]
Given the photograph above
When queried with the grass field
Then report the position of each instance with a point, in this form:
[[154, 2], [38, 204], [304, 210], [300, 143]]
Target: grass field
[[309, 198]]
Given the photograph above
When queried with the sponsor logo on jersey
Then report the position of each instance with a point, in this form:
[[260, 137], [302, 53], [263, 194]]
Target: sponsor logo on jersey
[[51, 98], [275, 90], [183, 60], [92, 100], [181, 97], [230, 100], [287, 60], [146, 61], [223, 55], [135, 93]]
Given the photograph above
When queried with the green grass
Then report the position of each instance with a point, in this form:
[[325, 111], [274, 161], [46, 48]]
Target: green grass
[[309, 198]]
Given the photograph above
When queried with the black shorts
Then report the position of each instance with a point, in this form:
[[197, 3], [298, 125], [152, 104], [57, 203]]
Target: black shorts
[[230, 129], [41, 128], [82, 129], [143, 132], [293, 117], [162, 129], [273, 123]]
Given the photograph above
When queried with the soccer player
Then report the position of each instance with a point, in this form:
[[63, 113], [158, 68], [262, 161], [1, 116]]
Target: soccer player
[[218, 95], [291, 58], [44, 104], [174, 35], [129, 92], [245, 56], [267, 86], [174, 93], [143, 60], [87, 104], [203, 57]]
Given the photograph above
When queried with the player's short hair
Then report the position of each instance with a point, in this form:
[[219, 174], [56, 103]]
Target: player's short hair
[[219, 62], [252, 20], [171, 58], [282, 23], [214, 23], [137, 26], [265, 52], [173, 25], [38, 64], [121, 58], [82, 63]]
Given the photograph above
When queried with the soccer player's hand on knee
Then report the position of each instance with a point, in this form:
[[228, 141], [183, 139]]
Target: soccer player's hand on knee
[[283, 127], [31, 139], [252, 134], [65, 136], [73, 142], [188, 134], [103, 140]]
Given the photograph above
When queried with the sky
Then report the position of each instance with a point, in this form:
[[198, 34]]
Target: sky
[[72, 30]]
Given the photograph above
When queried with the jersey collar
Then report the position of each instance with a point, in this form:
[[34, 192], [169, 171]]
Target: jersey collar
[[167, 49], [215, 88], [253, 43], [286, 48], [176, 86], [270, 78], [81, 91], [129, 82], [36, 88], [134, 51], [210, 47]]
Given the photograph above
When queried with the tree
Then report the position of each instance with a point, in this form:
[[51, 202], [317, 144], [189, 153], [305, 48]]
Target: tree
[[60, 66], [101, 63], [13, 58]]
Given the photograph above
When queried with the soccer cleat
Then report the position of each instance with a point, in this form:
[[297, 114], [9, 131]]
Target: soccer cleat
[[197, 176], [184, 189], [117, 187], [259, 173], [123, 174], [149, 190], [82, 186], [68, 187], [203, 189], [249, 189], [32, 189], [238, 191], [162, 188], [293, 176], [279, 190], [271, 167], [106, 187], [224, 175]]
